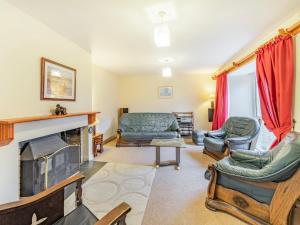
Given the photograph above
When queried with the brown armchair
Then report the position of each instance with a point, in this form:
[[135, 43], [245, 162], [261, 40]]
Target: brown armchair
[[47, 208]]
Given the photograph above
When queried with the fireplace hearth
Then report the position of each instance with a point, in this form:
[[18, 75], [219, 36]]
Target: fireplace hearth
[[46, 161]]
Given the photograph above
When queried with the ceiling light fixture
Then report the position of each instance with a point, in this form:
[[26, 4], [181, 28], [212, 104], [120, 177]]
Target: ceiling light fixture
[[167, 72], [154, 12], [162, 36], [167, 60]]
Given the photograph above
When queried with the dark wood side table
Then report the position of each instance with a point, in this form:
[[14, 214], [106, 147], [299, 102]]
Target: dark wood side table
[[97, 143]]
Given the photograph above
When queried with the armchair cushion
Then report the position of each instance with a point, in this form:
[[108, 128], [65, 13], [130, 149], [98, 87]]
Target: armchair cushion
[[257, 158], [216, 133], [263, 195], [280, 164], [214, 144]]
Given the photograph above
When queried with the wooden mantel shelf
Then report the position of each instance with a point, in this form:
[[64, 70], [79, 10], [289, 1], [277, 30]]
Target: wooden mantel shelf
[[7, 125]]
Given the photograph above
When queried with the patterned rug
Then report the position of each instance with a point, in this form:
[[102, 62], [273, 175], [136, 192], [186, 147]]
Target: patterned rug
[[116, 183]]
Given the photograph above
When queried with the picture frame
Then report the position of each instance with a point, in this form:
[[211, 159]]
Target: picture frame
[[165, 92], [58, 81]]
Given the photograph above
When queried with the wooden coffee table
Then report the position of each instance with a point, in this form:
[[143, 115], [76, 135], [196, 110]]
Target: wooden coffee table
[[177, 143]]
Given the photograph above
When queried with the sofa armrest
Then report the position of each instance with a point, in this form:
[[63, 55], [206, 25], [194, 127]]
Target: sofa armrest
[[116, 216], [256, 158], [216, 133]]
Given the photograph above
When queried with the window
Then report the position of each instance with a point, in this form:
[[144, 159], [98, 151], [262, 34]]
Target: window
[[244, 100]]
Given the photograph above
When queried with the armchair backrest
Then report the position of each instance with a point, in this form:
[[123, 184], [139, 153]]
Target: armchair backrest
[[241, 126], [284, 159], [286, 153], [155, 122]]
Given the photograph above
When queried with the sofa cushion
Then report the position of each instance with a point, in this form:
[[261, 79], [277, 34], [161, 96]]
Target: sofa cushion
[[148, 122], [129, 136], [214, 144]]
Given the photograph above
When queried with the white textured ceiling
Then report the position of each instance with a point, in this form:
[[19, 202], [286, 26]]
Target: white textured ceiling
[[119, 34]]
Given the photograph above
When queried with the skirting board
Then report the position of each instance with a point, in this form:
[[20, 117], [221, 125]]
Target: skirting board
[[109, 139]]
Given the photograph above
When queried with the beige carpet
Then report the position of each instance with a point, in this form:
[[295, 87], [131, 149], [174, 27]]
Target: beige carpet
[[177, 197]]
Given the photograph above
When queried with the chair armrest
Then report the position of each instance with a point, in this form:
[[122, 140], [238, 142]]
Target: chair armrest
[[115, 216], [256, 158], [239, 140], [216, 133], [37, 201]]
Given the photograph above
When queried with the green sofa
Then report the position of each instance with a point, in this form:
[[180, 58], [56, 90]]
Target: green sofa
[[141, 128], [258, 187]]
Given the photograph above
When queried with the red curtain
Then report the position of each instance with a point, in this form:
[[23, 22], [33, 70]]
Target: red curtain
[[221, 102], [275, 77]]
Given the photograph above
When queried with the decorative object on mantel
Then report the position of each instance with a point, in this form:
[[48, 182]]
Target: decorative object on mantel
[[58, 82], [7, 125], [60, 110]]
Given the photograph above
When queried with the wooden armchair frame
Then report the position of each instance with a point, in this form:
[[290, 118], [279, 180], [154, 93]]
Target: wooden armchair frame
[[217, 155], [48, 206], [248, 209]]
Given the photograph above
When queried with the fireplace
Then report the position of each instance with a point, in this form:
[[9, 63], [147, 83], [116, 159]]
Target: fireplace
[[20, 130], [48, 160]]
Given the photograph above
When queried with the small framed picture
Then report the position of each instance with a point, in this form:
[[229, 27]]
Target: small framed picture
[[165, 92], [58, 82]]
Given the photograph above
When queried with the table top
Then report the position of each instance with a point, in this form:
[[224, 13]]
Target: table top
[[175, 142]]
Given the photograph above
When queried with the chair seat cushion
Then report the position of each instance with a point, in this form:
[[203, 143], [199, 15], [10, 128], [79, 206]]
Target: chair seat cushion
[[214, 144], [263, 195], [79, 216], [129, 136]]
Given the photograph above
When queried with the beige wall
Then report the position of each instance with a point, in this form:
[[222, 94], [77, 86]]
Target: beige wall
[[190, 93], [23, 41], [106, 100]]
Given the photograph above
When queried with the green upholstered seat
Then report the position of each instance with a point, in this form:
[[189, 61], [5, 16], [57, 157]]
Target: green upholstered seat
[[236, 133], [147, 126], [275, 165]]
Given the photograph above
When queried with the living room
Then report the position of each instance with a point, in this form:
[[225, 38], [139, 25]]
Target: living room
[[149, 107]]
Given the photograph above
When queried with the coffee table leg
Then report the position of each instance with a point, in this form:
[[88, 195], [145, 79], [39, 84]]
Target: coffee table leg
[[177, 158], [157, 156]]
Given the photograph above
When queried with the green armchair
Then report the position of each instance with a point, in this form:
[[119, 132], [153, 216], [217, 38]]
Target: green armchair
[[257, 187], [236, 133]]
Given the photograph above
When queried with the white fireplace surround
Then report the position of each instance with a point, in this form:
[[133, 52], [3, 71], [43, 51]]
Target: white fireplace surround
[[10, 154]]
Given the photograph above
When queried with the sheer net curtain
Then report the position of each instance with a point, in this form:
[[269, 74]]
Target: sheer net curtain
[[244, 100]]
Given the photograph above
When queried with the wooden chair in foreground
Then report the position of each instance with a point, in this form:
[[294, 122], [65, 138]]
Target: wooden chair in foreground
[[47, 208], [258, 187]]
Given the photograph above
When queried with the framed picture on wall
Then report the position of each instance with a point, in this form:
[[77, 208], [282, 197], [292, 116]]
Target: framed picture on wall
[[58, 82], [165, 92]]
